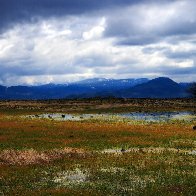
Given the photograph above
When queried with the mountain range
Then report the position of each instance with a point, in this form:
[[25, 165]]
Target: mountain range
[[161, 87]]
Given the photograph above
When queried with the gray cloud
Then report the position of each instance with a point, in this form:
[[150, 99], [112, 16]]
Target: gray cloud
[[180, 55], [22, 11], [74, 39], [152, 22]]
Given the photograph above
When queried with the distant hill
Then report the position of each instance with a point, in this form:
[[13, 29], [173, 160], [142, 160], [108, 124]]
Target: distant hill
[[157, 88], [46, 91], [102, 84], [99, 87], [2, 92]]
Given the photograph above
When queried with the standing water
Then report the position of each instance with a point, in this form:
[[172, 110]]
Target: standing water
[[138, 116]]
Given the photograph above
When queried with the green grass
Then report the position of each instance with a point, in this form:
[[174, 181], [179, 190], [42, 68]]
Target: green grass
[[129, 174], [166, 170]]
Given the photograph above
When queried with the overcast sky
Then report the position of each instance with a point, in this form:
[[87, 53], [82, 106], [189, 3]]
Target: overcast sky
[[57, 41]]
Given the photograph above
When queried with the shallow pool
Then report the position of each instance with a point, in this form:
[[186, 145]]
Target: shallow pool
[[160, 116], [138, 116]]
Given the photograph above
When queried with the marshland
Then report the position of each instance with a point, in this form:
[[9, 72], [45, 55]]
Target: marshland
[[98, 147]]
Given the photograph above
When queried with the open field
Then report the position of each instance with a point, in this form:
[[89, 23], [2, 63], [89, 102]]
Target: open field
[[99, 105], [44, 156]]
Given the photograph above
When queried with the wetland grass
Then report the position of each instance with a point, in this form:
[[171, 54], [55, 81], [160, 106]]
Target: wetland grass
[[95, 157]]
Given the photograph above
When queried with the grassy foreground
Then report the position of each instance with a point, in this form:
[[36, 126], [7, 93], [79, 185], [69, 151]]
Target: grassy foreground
[[48, 157]]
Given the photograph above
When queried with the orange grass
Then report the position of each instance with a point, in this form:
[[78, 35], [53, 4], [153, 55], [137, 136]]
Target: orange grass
[[28, 133], [33, 152]]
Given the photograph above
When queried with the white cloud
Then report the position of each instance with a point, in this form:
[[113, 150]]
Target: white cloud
[[96, 31], [73, 48]]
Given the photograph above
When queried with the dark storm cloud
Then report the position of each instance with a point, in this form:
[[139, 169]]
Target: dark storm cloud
[[125, 26], [14, 11]]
